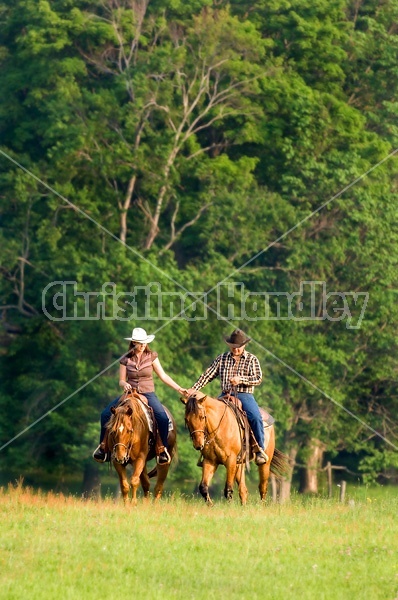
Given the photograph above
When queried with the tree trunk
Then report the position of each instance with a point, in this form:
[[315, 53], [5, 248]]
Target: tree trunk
[[309, 474], [91, 481], [126, 206], [154, 227]]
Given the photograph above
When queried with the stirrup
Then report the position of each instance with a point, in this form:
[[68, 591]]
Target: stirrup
[[261, 457], [165, 454], [100, 455]]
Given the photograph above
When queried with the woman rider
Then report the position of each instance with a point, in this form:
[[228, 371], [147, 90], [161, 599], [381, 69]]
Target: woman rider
[[136, 372]]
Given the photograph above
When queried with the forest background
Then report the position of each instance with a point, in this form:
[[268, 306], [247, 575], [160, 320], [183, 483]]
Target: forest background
[[185, 146]]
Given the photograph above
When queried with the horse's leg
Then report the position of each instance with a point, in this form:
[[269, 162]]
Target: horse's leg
[[145, 483], [124, 484], [208, 470], [138, 467], [162, 471], [231, 467], [264, 471], [241, 481]]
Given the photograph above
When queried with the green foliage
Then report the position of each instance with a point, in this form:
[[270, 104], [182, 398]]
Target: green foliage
[[198, 134]]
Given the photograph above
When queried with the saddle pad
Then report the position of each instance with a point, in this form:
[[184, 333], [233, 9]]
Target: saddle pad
[[168, 413], [268, 419], [148, 414]]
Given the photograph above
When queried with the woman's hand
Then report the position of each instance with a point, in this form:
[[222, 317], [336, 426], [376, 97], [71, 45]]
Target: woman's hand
[[127, 387], [182, 391]]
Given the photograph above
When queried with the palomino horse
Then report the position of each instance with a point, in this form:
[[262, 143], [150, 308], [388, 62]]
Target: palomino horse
[[128, 440], [215, 431]]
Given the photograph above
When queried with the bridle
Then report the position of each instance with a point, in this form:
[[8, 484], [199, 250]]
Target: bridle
[[205, 431], [127, 446]]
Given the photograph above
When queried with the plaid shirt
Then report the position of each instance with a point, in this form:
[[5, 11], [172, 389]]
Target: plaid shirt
[[224, 366]]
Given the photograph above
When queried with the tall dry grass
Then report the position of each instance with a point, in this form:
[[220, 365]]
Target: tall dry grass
[[54, 546]]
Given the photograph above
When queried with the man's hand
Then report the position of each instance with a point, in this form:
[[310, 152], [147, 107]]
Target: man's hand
[[235, 380]]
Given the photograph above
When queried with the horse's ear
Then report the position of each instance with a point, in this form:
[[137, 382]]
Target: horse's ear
[[113, 409], [129, 411], [184, 399], [202, 399]]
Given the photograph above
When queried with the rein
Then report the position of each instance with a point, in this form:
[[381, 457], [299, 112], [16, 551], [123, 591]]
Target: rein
[[242, 431], [206, 432], [127, 447], [218, 426]]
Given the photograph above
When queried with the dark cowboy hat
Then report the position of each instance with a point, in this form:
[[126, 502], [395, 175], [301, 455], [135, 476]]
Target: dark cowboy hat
[[237, 339]]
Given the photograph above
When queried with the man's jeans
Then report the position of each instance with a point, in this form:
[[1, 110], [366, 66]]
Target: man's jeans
[[250, 407]]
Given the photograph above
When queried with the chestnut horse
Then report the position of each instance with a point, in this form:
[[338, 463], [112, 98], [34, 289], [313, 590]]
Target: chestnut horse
[[215, 431], [129, 442]]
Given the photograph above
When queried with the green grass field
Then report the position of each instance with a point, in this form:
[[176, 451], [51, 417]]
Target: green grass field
[[62, 547]]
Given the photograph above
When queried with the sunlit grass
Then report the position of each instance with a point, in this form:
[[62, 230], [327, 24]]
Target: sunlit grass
[[54, 546]]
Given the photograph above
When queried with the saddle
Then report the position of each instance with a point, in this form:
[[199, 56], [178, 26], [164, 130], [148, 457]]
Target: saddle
[[154, 436]]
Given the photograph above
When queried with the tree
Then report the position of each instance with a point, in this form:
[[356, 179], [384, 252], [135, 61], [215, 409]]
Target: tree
[[173, 145]]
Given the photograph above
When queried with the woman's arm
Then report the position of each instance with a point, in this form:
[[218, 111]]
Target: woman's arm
[[123, 378], [157, 367]]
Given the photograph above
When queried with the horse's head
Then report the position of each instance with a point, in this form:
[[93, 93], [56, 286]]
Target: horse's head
[[120, 432], [195, 420]]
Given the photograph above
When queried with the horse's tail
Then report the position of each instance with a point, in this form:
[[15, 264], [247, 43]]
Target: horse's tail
[[280, 465], [174, 454], [153, 472]]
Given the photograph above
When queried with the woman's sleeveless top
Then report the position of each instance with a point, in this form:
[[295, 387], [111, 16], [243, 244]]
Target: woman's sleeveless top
[[140, 376]]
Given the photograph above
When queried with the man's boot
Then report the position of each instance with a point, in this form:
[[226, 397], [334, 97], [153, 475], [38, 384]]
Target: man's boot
[[261, 457]]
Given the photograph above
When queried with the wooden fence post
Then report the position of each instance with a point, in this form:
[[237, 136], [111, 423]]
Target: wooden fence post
[[329, 476], [342, 491]]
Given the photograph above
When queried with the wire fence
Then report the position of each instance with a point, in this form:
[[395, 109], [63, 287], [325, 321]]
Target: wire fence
[[281, 489]]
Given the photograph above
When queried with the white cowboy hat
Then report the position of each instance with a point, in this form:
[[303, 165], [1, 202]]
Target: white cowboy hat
[[141, 336]]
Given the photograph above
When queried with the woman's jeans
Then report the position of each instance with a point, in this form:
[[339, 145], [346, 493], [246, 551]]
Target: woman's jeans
[[250, 407], [160, 415]]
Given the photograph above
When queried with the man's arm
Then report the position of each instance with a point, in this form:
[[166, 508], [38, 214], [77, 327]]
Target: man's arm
[[255, 375], [211, 373]]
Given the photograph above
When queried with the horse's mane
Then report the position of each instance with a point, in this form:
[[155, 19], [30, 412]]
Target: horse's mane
[[118, 417], [192, 406]]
